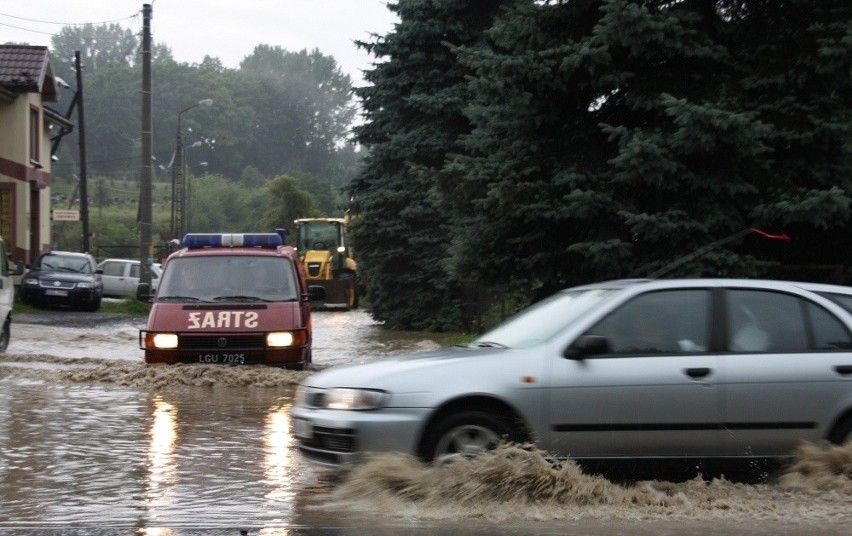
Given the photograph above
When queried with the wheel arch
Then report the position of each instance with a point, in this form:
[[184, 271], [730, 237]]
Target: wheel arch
[[842, 425], [485, 403]]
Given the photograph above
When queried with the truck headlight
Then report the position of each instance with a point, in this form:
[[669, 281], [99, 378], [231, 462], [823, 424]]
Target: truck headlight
[[161, 340], [279, 338], [354, 399], [285, 339]]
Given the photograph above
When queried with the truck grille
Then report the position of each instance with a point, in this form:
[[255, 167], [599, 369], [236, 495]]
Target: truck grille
[[222, 342]]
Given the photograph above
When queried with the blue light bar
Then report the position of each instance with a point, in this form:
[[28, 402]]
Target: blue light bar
[[225, 240]]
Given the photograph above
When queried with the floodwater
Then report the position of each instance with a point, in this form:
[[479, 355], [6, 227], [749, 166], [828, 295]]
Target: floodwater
[[92, 441]]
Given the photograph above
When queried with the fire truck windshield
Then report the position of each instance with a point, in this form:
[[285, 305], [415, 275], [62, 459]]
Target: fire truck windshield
[[223, 278]]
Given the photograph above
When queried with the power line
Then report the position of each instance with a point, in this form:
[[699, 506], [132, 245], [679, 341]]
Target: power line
[[135, 14], [64, 24]]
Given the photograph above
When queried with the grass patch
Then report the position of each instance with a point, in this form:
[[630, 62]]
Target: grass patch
[[129, 306], [125, 307]]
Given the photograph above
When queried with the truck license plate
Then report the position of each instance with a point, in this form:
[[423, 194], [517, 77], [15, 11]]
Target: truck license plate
[[223, 359]]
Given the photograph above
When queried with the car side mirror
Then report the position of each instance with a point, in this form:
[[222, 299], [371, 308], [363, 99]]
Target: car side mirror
[[316, 293], [15, 268], [588, 345]]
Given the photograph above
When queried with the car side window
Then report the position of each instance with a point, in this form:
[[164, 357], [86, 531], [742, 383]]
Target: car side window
[[829, 333], [764, 321], [670, 322], [114, 268], [134, 270]]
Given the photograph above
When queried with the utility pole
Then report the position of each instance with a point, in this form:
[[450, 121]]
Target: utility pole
[[81, 137], [146, 250]]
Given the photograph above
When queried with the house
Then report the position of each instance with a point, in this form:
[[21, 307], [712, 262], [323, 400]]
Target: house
[[27, 128]]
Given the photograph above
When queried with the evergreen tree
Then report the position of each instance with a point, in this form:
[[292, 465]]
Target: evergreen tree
[[414, 118], [613, 137]]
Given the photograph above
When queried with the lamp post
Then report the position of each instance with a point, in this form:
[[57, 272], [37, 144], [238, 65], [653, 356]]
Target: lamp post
[[187, 174], [178, 176]]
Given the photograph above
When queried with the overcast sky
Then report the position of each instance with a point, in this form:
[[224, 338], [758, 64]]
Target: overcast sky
[[227, 29]]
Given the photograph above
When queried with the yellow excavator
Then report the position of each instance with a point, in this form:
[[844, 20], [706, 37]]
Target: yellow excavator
[[328, 260]]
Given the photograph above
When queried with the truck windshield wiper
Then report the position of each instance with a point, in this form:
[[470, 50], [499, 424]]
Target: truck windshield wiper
[[179, 298], [240, 298]]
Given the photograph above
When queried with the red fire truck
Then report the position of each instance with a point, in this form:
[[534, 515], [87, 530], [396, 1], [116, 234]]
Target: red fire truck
[[231, 299]]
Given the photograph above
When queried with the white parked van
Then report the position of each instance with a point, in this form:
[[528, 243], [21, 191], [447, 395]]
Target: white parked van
[[7, 293]]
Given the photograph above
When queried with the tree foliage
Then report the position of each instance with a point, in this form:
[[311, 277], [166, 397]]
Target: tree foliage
[[281, 111], [568, 141], [414, 118]]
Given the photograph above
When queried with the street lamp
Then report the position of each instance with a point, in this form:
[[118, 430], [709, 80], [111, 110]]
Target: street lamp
[[178, 177]]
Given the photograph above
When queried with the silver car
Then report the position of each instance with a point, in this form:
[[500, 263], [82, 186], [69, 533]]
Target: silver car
[[121, 277], [699, 368]]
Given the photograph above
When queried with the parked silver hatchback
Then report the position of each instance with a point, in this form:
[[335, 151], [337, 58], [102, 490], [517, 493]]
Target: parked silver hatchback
[[698, 368]]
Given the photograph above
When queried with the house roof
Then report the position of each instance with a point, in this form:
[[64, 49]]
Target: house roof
[[26, 68]]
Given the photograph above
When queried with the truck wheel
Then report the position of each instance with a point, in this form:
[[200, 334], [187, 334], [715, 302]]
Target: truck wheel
[[353, 295]]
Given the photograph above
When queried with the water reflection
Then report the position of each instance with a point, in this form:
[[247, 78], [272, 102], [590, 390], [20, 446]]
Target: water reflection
[[162, 465], [277, 444]]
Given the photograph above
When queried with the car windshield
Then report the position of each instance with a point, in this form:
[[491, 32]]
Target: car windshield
[[229, 278], [66, 263], [543, 320]]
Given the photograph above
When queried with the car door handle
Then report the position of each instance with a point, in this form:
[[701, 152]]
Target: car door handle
[[698, 372], [843, 370]]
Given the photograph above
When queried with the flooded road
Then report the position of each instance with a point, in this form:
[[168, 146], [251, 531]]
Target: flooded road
[[92, 441]]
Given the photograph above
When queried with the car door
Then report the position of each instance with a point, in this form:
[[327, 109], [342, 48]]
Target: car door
[[115, 278], [784, 379], [653, 393]]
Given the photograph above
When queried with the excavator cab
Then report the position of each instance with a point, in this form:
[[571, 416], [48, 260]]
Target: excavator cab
[[327, 260]]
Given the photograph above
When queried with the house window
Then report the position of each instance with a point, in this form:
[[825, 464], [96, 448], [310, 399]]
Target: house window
[[35, 137]]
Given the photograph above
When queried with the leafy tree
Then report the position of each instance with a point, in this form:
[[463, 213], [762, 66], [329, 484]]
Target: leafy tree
[[328, 199], [306, 107], [251, 177], [216, 204], [414, 118], [288, 203]]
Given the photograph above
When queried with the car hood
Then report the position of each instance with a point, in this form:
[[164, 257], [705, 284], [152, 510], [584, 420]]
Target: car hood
[[61, 276], [404, 372]]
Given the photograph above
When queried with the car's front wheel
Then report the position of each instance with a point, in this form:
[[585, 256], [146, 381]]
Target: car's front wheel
[[469, 433], [842, 433], [4, 335], [94, 305]]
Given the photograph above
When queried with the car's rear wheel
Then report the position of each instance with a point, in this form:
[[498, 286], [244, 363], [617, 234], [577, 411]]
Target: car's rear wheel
[[466, 434]]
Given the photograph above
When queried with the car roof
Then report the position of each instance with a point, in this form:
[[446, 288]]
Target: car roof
[[69, 253], [716, 282], [135, 261], [824, 287]]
